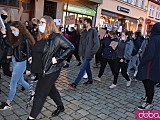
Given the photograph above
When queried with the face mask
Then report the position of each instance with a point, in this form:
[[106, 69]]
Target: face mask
[[84, 26], [41, 29], [123, 38], [34, 25], [75, 28], [16, 34], [3, 16]]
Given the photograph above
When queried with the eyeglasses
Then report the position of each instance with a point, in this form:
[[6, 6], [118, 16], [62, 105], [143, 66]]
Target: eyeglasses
[[41, 22]]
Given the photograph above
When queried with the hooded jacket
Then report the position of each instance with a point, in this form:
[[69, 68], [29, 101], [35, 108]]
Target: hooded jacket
[[149, 67]]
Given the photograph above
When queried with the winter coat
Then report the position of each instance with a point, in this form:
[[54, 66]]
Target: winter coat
[[149, 67]]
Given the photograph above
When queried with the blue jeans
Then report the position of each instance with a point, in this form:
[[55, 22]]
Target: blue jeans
[[17, 77], [132, 62], [84, 67]]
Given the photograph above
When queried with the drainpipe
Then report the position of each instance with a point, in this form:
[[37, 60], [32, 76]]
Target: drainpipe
[[96, 15]]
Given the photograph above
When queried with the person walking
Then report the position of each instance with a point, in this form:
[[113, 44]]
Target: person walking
[[149, 67], [89, 45], [48, 54], [20, 41], [109, 54], [124, 51]]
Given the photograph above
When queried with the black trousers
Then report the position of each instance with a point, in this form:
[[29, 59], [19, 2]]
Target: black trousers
[[75, 53], [149, 90], [104, 62], [123, 66], [45, 87], [6, 68]]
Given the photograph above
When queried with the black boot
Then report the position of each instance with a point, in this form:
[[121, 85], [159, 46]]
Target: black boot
[[60, 108], [79, 64]]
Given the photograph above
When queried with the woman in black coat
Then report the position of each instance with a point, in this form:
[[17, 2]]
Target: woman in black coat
[[149, 67], [48, 54]]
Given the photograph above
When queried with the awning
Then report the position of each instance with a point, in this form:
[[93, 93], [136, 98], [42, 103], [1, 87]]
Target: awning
[[111, 14], [131, 19]]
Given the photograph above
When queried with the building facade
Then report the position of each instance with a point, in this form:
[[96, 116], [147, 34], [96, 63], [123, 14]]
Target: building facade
[[125, 14], [153, 15]]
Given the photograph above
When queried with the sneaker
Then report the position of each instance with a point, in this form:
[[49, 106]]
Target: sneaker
[[144, 99], [66, 66], [85, 76], [144, 106], [134, 79], [5, 106], [97, 78], [72, 86], [158, 85], [112, 86], [128, 83], [88, 82]]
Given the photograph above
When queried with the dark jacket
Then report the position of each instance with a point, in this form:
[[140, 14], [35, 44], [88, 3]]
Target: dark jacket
[[137, 45], [22, 51], [5, 48], [149, 67], [107, 50], [56, 46], [89, 43]]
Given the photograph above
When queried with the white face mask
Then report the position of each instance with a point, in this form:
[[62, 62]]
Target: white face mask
[[41, 29], [123, 38]]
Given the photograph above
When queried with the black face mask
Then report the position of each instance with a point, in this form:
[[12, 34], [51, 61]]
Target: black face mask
[[3, 16], [84, 26], [34, 25]]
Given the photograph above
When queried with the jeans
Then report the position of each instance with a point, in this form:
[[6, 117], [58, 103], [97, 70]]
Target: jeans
[[149, 90], [132, 62], [45, 87], [123, 66], [17, 77], [84, 67]]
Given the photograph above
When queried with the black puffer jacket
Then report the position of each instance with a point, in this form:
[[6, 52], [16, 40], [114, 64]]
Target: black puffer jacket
[[56, 46]]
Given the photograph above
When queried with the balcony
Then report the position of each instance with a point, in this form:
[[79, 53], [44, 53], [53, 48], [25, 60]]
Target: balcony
[[155, 1], [97, 1]]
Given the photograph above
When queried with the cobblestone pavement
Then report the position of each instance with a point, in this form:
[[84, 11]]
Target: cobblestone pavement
[[94, 102]]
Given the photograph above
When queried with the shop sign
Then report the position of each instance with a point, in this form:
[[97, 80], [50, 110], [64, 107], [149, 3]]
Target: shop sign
[[148, 21], [119, 8], [81, 10], [70, 19]]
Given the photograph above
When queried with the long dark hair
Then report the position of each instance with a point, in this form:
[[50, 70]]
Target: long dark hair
[[23, 33]]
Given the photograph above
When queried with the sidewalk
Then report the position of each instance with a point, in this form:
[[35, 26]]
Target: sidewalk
[[94, 102]]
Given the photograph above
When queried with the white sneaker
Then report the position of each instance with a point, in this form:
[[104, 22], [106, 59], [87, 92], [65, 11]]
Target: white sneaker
[[112, 86], [85, 76], [97, 78], [128, 83], [145, 106]]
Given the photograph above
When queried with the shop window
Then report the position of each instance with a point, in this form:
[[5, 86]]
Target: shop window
[[50, 9], [158, 13], [136, 2], [142, 4], [151, 11], [9, 2]]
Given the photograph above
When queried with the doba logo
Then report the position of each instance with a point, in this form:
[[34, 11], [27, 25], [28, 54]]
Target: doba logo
[[147, 114]]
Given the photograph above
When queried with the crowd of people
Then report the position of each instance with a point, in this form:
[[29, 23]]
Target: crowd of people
[[38, 48]]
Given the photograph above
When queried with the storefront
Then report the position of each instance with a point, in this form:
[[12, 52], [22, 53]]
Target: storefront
[[79, 12], [115, 20], [120, 14]]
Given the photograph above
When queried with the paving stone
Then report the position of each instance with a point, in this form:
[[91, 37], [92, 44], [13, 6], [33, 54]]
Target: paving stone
[[83, 112], [76, 115]]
